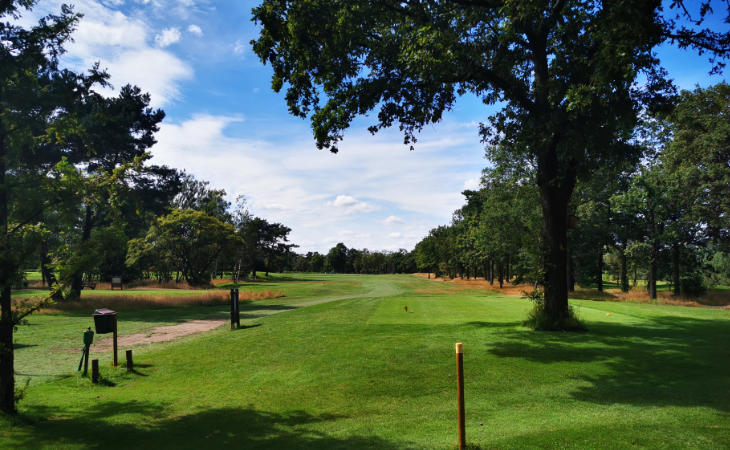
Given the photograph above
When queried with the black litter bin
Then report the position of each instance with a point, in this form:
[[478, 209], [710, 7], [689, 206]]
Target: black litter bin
[[105, 320]]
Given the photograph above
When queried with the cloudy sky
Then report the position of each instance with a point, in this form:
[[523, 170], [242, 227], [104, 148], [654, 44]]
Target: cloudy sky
[[225, 125]]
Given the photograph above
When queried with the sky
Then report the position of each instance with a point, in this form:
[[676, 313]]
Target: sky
[[225, 125]]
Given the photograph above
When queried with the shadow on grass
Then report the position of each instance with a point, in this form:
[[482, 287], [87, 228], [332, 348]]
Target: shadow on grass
[[494, 324], [17, 346], [676, 361], [107, 425]]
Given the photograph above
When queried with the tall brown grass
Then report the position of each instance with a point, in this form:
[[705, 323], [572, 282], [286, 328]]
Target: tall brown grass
[[134, 301]]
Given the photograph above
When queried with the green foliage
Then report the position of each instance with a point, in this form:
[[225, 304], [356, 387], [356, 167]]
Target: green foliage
[[188, 241], [692, 284], [539, 319]]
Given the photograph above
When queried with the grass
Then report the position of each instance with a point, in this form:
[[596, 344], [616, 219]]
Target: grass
[[354, 370]]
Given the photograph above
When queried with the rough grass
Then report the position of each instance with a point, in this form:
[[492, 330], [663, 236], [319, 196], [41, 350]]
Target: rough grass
[[357, 371], [128, 301]]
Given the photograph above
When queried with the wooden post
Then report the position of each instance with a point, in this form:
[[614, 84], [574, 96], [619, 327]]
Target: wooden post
[[115, 342], [130, 363], [86, 360], [238, 311], [94, 371], [460, 393], [233, 309]]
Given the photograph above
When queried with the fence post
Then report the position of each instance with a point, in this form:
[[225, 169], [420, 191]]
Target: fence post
[[238, 311], [94, 371], [460, 394], [130, 363]]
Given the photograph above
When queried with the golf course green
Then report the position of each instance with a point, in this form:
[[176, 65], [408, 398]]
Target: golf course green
[[337, 362]]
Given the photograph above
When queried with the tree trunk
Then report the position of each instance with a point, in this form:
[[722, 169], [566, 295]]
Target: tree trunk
[[509, 272], [571, 275], [491, 272], [77, 281], [651, 282], [7, 267], [556, 187], [46, 272], [675, 269], [624, 274], [599, 280], [500, 271], [7, 370]]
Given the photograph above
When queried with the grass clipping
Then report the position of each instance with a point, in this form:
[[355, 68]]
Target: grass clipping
[[538, 318]]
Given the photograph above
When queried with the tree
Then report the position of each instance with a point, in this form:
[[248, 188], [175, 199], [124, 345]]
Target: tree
[[565, 70], [336, 259], [37, 111], [700, 146], [197, 195], [190, 240]]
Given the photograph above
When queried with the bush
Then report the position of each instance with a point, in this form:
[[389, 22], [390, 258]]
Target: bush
[[538, 318], [692, 284]]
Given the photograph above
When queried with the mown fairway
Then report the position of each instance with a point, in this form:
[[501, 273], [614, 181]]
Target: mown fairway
[[352, 369]]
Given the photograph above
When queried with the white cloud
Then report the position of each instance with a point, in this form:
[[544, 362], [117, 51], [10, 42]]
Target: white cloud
[[122, 45], [472, 184], [351, 205], [195, 29], [239, 48], [318, 194], [154, 70], [392, 220], [395, 235], [168, 37]]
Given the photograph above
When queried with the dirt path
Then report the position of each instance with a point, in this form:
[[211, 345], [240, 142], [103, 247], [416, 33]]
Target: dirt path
[[158, 334]]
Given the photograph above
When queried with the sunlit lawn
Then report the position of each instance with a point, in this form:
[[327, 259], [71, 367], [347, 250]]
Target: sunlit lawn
[[354, 370]]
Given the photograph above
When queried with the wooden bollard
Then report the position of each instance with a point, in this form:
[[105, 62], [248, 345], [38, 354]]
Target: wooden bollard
[[238, 311], [94, 371], [115, 342], [460, 394], [130, 363], [233, 309], [86, 360]]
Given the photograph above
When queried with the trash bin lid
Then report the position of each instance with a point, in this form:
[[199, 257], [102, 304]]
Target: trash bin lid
[[105, 312]]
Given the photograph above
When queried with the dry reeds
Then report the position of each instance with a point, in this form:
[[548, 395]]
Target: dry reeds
[[124, 301]]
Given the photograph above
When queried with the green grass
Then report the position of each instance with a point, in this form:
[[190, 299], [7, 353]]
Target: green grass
[[354, 370]]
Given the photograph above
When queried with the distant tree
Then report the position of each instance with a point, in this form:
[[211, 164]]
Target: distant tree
[[198, 195], [700, 147], [188, 239], [265, 244], [336, 259]]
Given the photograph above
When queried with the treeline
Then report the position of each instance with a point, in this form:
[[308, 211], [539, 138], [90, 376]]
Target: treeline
[[148, 223], [661, 212], [78, 197], [341, 259]]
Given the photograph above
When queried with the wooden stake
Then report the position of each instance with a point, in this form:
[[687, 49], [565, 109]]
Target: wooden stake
[[238, 311], [115, 342], [94, 371], [86, 360], [460, 394], [233, 309], [130, 363]]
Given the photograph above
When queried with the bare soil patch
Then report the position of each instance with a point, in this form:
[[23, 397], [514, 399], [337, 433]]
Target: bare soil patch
[[158, 334]]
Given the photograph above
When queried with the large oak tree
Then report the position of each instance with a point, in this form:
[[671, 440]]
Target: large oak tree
[[566, 72]]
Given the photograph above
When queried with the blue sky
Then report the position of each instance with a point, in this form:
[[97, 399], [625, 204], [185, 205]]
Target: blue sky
[[225, 125]]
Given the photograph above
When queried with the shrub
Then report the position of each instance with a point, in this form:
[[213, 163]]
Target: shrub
[[538, 319], [692, 284]]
